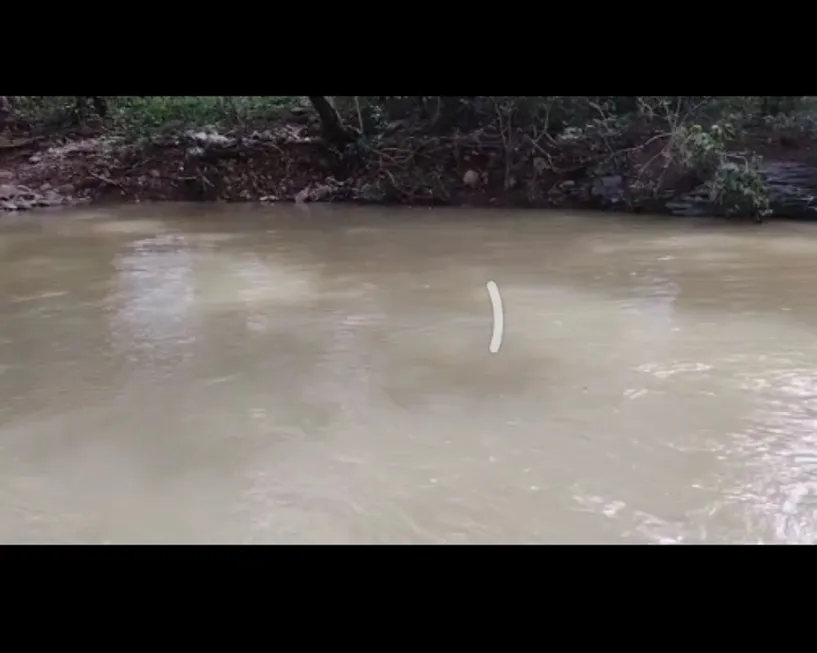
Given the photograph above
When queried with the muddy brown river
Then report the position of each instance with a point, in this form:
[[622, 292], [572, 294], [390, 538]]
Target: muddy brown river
[[177, 373]]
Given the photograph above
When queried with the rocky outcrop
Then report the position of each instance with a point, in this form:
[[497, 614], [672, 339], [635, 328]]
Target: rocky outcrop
[[792, 193], [793, 189], [15, 197]]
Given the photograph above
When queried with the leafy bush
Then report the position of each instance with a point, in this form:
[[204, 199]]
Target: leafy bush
[[738, 188], [136, 112]]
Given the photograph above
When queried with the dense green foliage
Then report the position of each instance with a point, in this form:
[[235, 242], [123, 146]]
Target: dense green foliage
[[145, 113]]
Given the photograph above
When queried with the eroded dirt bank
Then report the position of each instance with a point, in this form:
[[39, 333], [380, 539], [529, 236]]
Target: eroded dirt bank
[[290, 162]]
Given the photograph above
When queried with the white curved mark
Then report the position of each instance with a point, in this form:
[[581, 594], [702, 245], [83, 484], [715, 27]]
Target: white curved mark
[[499, 318]]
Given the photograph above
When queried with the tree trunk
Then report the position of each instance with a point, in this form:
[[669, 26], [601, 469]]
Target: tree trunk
[[454, 111], [99, 102], [100, 105], [5, 109], [333, 128]]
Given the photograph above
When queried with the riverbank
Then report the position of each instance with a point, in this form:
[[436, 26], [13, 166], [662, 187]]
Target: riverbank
[[289, 160]]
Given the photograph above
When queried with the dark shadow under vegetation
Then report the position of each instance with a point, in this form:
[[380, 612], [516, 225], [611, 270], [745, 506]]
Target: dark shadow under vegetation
[[747, 156]]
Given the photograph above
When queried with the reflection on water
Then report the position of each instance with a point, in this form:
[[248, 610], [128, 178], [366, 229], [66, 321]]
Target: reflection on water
[[154, 296], [779, 452], [192, 374]]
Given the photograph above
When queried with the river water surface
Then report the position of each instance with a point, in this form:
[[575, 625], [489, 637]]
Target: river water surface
[[189, 374]]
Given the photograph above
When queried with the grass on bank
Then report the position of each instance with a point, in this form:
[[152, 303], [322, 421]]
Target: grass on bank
[[139, 114], [147, 113]]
